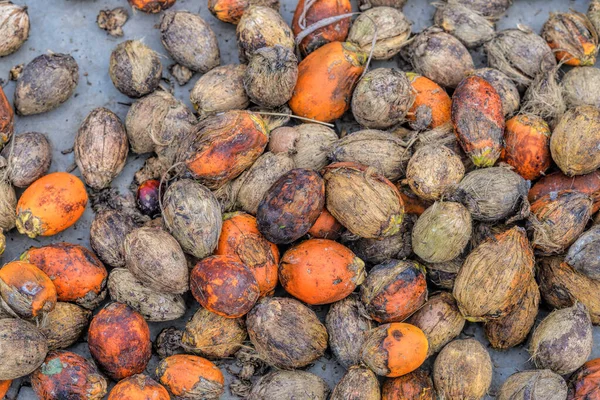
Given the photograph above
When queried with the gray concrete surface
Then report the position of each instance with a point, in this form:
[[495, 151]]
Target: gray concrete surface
[[70, 26]]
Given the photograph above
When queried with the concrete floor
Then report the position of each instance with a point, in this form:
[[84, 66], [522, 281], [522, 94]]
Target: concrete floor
[[69, 26]]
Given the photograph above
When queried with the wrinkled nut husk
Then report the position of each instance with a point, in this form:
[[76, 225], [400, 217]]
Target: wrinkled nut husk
[[493, 194], [14, 27], [289, 385], [107, 236], [271, 76], [581, 86], [135, 69], [443, 135], [260, 27], [470, 27], [434, 171], [487, 8], [221, 89], [382, 98], [154, 257], [573, 38], [363, 200], [153, 305], [367, 4], [584, 253], [7, 117], [385, 151], [440, 320], [462, 370], [151, 6], [286, 333], [593, 14], [348, 324], [512, 329], [533, 385], [504, 86], [22, 348], [520, 54], [557, 181], [112, 21], [577, 132], [232, 10], [442, 232], [415, 385], [181, 74], [443, 275], [189, 40], [357, 380], [8, 205], [583, 384], [309, 13], [440, 57], [392, 27], [210, 335], [544, 97], [563, 341], [309, 145], [193, 216], [29, 159], [494, 276], [558, 219], [46, 82], [101, 148], [64, 325]]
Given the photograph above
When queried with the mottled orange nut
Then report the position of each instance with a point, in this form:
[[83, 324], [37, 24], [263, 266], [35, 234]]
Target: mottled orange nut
[[317, 11], [413, 204], [240, 238], [572, 37], [225, 286], [191, 377], [414, 386], [78, 275], [557, 181], [4, 386], [432, 106], [119, 341], [7, 116], [326, 79], [66, 375], [51, 204], [138, 387], [527, 145], [152, 6], [585, 382], [325, 227], [228, 10], [26, 289], [320, 271]]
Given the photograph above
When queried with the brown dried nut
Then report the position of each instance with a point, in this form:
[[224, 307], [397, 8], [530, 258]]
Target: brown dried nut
[[433, 171], [289, 385], [22, 348], [544, 97], [584, 253], [14, 27], [504, 86], [112, 21], [348, 326], [154, 306], [189, 40], [443, 275], [470, 27], [357, 380], [8, 205], [520, 54], [366, 4], [309, 145], [286, 333], [107, 236], [494, 276], [64, 325], [151, 6], [259, 27], [563, 340], [193, 216], [440, 57], [309, 13], [462, 370], [382, 98], [512, 329], [221, 89], [533, 385], [392, 27], [271, 76], [593, 14], [46, 82], [487, 8], [572, 37], [7, 117], [101, 148], [232, 10], [581, 86], [29, 158], [416, 385], [135, 68]]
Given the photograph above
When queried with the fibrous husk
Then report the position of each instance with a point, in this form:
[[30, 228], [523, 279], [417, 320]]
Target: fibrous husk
[[563, 341], [221, 89], [443, 275], [348, 325], [64, 325], [289, 385], [470, 27], [193, 216], [392, 27], [434, 171], [135, 69], [512, 329], [462, 370], [358, 381], [29, 158], [107, 235], [487, 8], [112, 21], [153, 305], [440, 57], [544, 97], [494, 276], [573, 37], [22, 348], [581, 86], [584, 253], [593, 14], [14, 27], [8, 206], [385, 151], [260, 27], [505, 87], [440, 320], [442, 232], [366, 4], [46, 82], [286, 333], [309, 145], [533, 385]]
